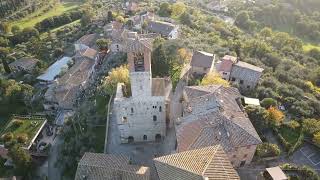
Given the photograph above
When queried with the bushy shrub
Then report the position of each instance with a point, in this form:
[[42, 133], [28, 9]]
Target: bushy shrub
[[293, 124], [17, 123], [268, 102], [7, 137], [267, 150], [22, 138]]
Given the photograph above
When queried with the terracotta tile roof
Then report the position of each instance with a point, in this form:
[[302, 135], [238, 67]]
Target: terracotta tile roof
[[202, 59], [88, 40], [65, 90], [213, 116], [248, 66], [230, 58], [210, 162], [25, 63], [95, 166], [88, 52], [138, 44], [163, 28]]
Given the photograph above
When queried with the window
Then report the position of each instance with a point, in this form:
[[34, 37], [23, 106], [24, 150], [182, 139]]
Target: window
[[224, 78], [205, 69], [154, 118], [233, 79], [234, 156], [124, 120], [131, 110], [224, 73], [248, 87], [245, 156], [160, 109], [241, 81], [145, 137], [248, 147]]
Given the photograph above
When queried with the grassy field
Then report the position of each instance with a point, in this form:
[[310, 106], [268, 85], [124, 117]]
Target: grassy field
[[29, 127], [36, 17], [308, 47]]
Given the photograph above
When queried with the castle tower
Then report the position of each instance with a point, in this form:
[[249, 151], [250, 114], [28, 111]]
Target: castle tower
[[139, 60], [142, 116]]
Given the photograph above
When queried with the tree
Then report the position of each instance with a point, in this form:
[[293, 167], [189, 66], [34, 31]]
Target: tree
[[186, 19], [268, 102], [275, 116], [316, 138], [311, 126], [4, 42], [15, 29], [110, 16], [58, 52], [267, 150], [103, 44], [21, 159], [87, 17], [214, 78], [117, 75], [3, 55], [177, 9], [5, 27], [120, 19], [159, 61], [165, 10]]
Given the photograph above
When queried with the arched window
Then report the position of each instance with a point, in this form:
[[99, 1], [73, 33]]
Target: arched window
[[131, 110], [154, 118], [145, 137], [160, 109]]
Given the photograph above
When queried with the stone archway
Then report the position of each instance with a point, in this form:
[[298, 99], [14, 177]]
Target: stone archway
[[158, 137], [130, 139]]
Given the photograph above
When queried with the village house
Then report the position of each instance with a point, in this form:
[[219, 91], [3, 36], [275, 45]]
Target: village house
[[95, 166], [244, 74], [24, 65], [54, 70], [142, 116], [140, 19], [62, 94], [165, 29], [85, 42], [214, 115], [131, 7], [199, 164], [202, 63]]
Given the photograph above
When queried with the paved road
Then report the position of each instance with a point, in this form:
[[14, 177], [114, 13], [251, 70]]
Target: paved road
[[54, 171]]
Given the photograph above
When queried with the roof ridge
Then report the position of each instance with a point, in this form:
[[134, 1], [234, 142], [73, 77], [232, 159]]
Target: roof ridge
[[213, 155], [242, 128]]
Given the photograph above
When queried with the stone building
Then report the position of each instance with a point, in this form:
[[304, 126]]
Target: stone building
[[245, 74], [239, 72], [214, 115], [95, 166], [24, 65], [142, 116], [199, 164], [202, 63], [165, 29]]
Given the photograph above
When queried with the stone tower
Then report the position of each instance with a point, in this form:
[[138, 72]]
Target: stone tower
[[139, 60], [142, 116]]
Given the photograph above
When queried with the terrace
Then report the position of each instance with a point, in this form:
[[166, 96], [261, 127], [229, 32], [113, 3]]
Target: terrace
[[23, 128]]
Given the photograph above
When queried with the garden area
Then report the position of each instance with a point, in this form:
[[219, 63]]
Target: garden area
[[21, 129], [38, 16]]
